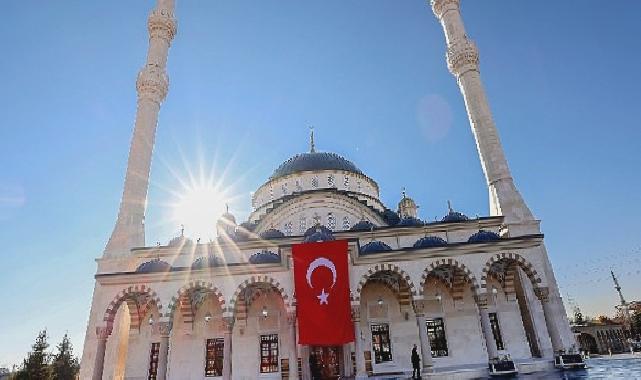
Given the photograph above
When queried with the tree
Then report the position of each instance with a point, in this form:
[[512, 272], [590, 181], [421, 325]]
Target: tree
[[36, 365], [65, 365]]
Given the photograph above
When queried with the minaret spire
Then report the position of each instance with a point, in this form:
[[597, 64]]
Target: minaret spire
[[312, 145], [463, 62], [152, 85], [618, 288]]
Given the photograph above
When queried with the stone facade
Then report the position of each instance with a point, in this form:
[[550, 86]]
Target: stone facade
[[462, 290]]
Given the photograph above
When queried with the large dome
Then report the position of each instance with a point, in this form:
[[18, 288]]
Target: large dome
[[314, 161]]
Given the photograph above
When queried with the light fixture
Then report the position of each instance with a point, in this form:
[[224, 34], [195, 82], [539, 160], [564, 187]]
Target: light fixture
[[151, 320], [264, 312], [494, 290], [439, 298], [380, 301], [208, 317]]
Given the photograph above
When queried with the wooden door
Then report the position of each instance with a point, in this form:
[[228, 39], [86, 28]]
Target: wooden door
[[329, 361]]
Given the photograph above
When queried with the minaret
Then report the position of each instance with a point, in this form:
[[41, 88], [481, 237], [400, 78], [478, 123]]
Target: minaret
[[152, 85], [618, 288], [463, 63]]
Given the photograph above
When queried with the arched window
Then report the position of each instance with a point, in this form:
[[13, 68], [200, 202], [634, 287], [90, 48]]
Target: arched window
[[346, 224], [302, 226], [331, 221]]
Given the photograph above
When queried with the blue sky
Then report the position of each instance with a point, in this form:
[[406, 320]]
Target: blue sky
[[249, 77]]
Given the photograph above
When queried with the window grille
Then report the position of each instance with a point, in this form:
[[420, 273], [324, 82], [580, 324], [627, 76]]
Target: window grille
[[269, 353], [436, 333], [214, 354], [381, 343], [346, 225], [496, 331], [153, 361]]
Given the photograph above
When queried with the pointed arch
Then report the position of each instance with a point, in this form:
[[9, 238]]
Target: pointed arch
[[459, 277], [237, 304], [507, 264], [406, 291], [139, 299], [185, 303]]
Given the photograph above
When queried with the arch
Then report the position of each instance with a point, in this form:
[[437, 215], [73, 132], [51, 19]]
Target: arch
[[256, 279], [183, 302], [405, 295], [461, 275], [138, 298], [511, 259]]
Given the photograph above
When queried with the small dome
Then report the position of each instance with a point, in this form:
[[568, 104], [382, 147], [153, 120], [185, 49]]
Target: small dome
[[391, 217], [272, 233], [208, 262], [180, 241], [152, 266], [410, 221], [314, 161], [265, 257], [363, 225], [375, 246], [454, 216], [318, 233], [430, 241], [483, 236]]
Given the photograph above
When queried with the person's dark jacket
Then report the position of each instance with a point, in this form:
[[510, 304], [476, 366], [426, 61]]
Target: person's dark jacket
[[416, 360]]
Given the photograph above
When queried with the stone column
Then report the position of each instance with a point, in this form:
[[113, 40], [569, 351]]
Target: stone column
[[463, 63], [152, 86], [486, 327], [228, 329], [164, 330], [426, 348], [293, 346], [550, 319], [102, 334], [361, 371]]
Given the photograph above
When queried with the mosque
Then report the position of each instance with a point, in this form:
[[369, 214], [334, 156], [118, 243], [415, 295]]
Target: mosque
[[464, 290]]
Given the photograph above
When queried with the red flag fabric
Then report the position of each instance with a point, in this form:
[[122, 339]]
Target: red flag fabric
[[321, 280]]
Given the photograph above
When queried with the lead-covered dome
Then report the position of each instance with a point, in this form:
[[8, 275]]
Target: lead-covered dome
[[314, 161]]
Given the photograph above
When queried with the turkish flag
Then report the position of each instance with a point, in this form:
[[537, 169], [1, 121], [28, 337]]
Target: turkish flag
[[321, 280]]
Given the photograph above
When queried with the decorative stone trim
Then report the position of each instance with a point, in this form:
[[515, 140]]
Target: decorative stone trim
[[405, 298], [257, 279], [512, 258], [462, 276], [182, 300], [138, 298]]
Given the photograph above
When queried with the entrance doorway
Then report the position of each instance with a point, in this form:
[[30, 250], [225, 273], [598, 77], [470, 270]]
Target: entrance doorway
[[328, 362]]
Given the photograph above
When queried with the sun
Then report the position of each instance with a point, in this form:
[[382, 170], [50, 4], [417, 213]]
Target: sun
[[198, 208]]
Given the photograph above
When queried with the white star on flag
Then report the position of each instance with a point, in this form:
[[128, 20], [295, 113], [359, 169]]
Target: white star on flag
[[323, 297]]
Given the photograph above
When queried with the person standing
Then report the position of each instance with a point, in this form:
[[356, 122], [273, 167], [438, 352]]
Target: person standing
[[416, 364]]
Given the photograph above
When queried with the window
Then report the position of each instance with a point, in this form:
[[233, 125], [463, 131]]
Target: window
[[358, 186], [284, 189], [315, 182], [214, 357], [269, 353], [302, 225], [436, 333], [331, 221], [381, 343], [317, 219], [153, 361], [271, 193], [288, 229], [346, 181], [496, 331], [345, 223], [299, 187], [330, 180]]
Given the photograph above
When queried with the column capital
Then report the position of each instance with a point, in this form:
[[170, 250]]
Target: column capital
[[162, 328], [291, 316], [103, 332], [463, 56], [440, 7], [162, 24], [542, 293], [481, 301], [419, 307], [228, 324], [152, 84], [356, 313]]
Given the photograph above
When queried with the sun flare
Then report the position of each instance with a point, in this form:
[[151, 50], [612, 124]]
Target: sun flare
[[198, 209]]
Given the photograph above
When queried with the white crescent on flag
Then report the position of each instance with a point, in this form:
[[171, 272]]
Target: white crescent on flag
[[320, 262]]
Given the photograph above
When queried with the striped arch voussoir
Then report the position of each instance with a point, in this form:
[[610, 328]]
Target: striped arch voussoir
[[386, 267], [181, 302], [511, 258], [139, 298], [257, 279], [462, 276]]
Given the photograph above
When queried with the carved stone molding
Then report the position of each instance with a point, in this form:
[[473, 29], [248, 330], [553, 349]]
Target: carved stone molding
[[543, 294], [440, 7], [419, 308], [161, 24], [291, 316], [152, 84], [356, 313], [481, 301], [228, 324], [162, 328], [463, 56], [103, 332]]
